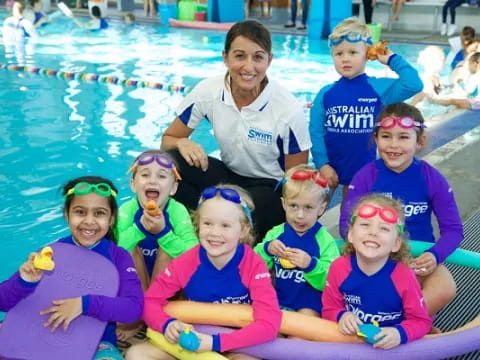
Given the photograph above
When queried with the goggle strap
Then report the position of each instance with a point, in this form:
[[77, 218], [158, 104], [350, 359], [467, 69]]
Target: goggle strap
[[176, 174]]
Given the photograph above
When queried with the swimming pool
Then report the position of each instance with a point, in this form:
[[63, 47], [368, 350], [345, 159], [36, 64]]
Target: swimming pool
[[52, 129]]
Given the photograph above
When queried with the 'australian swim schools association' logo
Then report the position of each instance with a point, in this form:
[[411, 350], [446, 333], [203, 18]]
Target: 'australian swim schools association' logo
[[350, 119], [260, 136]]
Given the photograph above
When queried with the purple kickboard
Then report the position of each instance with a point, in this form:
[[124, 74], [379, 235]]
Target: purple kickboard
[[434, 348], [78, 271]]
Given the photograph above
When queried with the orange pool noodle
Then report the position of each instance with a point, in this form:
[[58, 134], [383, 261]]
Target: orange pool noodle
[[235, 315]]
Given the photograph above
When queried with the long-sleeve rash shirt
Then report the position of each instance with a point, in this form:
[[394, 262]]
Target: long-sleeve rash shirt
[[343, 116], [392, 297], [177, 237], [243, 280], [13, 290], [422, 189], [300, 288]]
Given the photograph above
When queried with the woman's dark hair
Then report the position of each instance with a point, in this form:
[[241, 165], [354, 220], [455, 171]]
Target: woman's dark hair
[[467, 36], [401, 110], [252, 30], [93, 180]]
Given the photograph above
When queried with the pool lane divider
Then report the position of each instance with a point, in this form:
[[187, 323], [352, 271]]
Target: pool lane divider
[[96, 78]]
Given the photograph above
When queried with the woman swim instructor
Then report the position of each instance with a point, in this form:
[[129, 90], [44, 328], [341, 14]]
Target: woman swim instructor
[[259, 126]]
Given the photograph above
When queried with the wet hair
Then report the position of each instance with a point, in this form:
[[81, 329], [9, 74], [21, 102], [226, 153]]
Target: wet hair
[[475, 57], [129, 17], [351, 24], [292, 188], [403, 254], [96, 12], [246, 199], [254, 31], [401, 110], [92, 180], [467, 36], [152, 151]]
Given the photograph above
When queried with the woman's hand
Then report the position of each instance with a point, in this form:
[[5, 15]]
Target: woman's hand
[[277, 248], [298, 257], [28, 272], [331, 175], [425, 264], [389, 338], [193, 153], [348, 323], [63, 311], [153, 224]]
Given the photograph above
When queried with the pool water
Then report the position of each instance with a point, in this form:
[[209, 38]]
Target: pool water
[[52, 130]]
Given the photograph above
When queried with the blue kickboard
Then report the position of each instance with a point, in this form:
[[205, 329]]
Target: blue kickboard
[[317, 16]]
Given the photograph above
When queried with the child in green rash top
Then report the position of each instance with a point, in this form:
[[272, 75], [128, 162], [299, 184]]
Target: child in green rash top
[[301, 250], [153, 239]]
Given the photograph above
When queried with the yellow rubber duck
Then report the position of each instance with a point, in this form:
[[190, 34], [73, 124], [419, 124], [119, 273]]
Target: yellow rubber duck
[[44, 261]]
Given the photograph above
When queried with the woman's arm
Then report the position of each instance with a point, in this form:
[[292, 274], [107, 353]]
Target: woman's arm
[[296, 159], [176, 137]]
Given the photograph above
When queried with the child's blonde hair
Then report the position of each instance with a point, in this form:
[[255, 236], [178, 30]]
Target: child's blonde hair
[[292, 188], [349, 25], [246, 213], [403, 254]]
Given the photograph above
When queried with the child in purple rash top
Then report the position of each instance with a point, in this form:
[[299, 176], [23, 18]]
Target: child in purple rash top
[[20, 285], [399, 133], [91, 211]]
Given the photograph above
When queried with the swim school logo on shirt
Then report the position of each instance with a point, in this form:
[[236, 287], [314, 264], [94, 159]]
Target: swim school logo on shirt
[[415, 208], [242, 299], [350, 119], [260, 136]]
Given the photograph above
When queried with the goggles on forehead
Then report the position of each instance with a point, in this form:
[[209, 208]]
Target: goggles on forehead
[[228, 194], [314, 175], [351, 37], [164, 160], [84, 188], [405, 122], [387, 214]]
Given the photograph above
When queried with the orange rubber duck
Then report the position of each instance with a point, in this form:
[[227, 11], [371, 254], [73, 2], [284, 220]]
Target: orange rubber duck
[[379, 48], [152, 209], [44, 261]]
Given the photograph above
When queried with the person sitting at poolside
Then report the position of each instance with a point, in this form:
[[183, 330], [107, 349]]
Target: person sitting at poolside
[[96, 23], [471, 87], [260, 128]]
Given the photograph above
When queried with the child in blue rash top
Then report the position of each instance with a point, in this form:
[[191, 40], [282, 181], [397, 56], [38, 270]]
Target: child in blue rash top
[[91, 211], [373, 281], [399, 133], [343, 113], [153, 239], [302, 242], [222, 269]]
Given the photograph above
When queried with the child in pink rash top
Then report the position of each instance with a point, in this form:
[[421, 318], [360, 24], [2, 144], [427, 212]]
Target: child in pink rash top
[[221, 269], [373, 281]]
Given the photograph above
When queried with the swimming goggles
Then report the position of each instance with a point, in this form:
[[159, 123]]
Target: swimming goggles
[[314, 175], [405, 122], [351, 37], [164, 160], [228, 194], [85, 188], [387, 214]]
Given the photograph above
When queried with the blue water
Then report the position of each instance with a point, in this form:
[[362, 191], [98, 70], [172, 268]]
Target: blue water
[[52, 130]]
